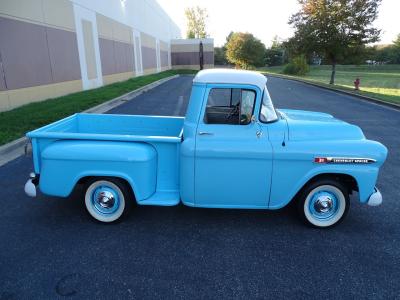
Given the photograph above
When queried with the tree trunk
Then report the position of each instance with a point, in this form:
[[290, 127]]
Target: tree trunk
[[333, 72]]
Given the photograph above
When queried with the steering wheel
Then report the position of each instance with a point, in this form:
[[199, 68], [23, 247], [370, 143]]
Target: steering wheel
[[234, 111]]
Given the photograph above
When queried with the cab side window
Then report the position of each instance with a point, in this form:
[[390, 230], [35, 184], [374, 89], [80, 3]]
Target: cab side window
[[229, 106]]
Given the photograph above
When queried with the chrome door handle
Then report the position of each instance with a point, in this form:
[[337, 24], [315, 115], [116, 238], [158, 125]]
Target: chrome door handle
[[205, 133], [259, 133]]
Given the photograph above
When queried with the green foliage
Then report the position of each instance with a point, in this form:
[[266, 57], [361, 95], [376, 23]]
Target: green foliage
[[276, 44], [228, 38], [220, 56], [15, 123], [220, 52], [196, 22], [396, 42], [274, 57], [298, 66], [245, 51], [334, 28], [190, 35], [387, 54]]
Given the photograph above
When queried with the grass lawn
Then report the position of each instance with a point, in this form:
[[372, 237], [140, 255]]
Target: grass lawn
[[15, 123], [380, 82]]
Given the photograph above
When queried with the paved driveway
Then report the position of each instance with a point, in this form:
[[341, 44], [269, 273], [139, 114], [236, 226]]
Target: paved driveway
[[50, 248]]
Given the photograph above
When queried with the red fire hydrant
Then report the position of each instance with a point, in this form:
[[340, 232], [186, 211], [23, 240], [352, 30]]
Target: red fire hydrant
[[357, 84]]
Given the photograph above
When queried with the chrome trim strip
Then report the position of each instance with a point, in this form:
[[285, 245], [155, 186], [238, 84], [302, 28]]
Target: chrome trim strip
[[349, 160]]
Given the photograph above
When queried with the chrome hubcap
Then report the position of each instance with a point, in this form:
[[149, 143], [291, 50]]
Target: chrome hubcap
[[105, 200], [323, 204]]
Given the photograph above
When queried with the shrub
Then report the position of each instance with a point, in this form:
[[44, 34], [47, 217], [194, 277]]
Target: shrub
[[298, 66]]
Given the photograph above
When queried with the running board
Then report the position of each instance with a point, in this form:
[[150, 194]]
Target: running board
[[162, 198]]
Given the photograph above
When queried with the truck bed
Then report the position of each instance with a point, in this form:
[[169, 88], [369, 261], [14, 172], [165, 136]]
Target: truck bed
[[113, 127], [162, 133]]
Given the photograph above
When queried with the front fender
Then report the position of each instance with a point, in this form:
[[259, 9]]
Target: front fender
[[294, 166], [64, 163], [365, 178]]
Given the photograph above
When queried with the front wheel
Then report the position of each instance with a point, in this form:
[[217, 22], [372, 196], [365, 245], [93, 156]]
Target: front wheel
[[324, 203], [106, 199]]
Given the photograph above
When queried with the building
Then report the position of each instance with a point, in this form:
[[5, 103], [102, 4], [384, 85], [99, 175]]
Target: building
[[49, 48], [185, 53]]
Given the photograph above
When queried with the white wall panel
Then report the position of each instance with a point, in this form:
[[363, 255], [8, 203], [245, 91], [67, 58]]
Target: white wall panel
[[84, 14], [143, 15]]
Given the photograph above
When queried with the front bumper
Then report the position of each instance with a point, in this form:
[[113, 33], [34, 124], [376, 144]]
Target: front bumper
[[30, 185], [375, 199]]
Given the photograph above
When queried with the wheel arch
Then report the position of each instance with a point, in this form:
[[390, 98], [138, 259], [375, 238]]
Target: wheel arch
[[88, 178], [349, 181]]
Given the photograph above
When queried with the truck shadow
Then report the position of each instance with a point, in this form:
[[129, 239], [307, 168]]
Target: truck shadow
[[72, 209]]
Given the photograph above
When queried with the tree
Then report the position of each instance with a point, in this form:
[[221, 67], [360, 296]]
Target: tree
[[196, 22], [396, 50], [245, 51], [220, 52], [334, 28], [276, 44], [228, 38], [220, 56], [396, 42], [386, 54], [275, 55]]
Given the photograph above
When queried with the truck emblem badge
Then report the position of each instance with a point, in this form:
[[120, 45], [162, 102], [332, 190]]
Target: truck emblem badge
[[343, 160]]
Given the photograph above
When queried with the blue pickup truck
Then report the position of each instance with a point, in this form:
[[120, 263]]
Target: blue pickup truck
[[233, 149]]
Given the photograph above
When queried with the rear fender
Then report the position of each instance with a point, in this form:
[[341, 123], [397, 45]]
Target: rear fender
[[64, 163]]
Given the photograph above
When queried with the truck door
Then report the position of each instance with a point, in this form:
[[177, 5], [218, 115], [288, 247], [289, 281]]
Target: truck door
[[233, 159]]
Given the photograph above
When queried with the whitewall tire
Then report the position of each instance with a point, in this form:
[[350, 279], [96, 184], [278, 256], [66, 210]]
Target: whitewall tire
[[324, 203], [106, 199]]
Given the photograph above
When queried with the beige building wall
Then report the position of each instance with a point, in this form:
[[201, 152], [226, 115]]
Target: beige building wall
[[149, 55], [185, 53], [116, 50], [41, 58]]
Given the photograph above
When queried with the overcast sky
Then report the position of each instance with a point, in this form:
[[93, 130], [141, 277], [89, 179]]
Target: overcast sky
[[264, 18]]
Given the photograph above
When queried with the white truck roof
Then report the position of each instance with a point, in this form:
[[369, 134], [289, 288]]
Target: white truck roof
[[231, 76]]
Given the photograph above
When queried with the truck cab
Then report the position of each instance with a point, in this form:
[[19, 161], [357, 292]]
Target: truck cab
[[233, 149], [224, 138]]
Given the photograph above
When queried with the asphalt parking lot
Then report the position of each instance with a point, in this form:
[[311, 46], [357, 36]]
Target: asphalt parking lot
[[50, 248]]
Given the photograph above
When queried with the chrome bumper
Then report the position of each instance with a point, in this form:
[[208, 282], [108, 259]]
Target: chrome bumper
[[375, 199], [30, 185]]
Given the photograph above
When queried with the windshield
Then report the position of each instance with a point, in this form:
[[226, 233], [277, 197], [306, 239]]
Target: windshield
[[268, 113]]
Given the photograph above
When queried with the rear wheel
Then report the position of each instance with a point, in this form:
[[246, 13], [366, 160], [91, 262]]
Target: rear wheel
[[324, 203], [107, 199]]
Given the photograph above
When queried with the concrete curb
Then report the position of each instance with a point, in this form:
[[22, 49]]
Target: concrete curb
[[12, 150], [21, 146], [363, 97]]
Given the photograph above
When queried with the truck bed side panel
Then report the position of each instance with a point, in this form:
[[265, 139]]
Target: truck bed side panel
[[65, 162]]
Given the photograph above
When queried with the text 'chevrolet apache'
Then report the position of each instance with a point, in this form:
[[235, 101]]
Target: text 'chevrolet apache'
[[233, 149]]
